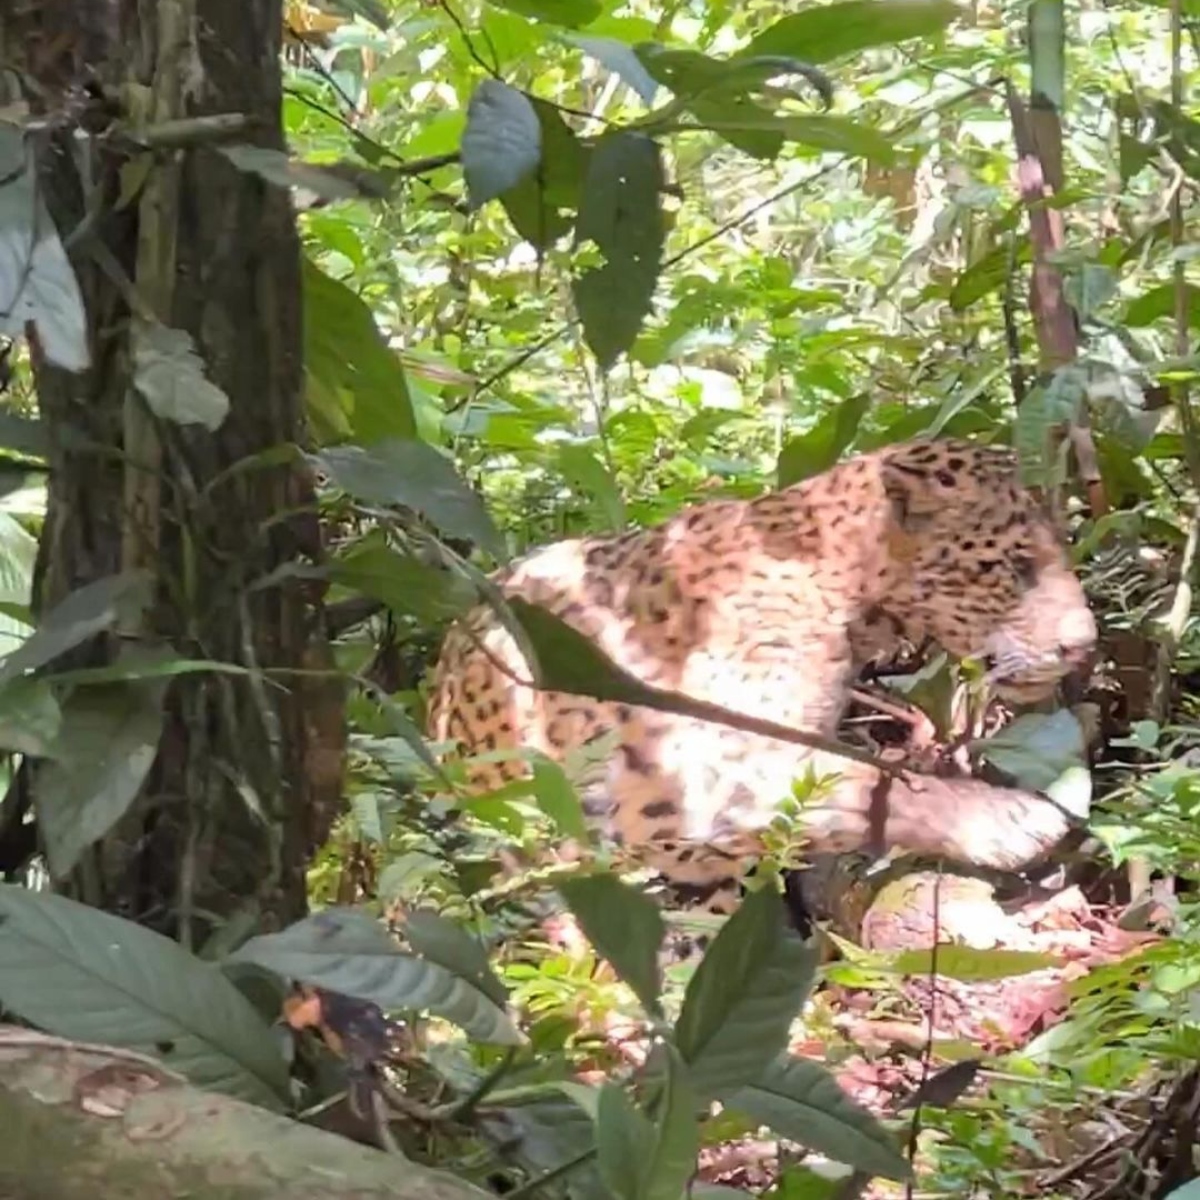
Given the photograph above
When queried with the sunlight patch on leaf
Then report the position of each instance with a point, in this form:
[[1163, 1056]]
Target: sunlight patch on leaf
[[502, 142]]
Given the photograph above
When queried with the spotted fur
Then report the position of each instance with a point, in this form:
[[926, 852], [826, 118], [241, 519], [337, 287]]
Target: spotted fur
[[771, 607]]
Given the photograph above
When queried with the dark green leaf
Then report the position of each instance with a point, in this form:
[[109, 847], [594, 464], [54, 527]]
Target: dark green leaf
[[345, 951], [747, 990], [87, 611], [828, 31], [586, 471], [690, 74], [623, 1142], [802, 1102], [1036, 748], [817, 450], [443, 941], [417, 476], [84, 974], [106, 745], [620, 212], [405, 584], [944, 1087], [625, 926], [557, 798], [348, 363], [29, 717], [543, 204], [676, 1139], [571, 14], [502, 142], [1159, 302], [987, 274]]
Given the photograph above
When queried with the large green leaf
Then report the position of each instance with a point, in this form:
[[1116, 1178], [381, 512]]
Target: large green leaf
[[345, 951], [690, 74], [1036, 748], [417, 476], [30, 717], [644, 1159], [625, 926], [620, 212], [443, 941], [802, 1102], [747, 990], [502, 142], [542, 205], [348, 363], [404, 583], [87, 975], [828, 31], [87, 611], [106, 744], [970, 964], [810, 453], [581, 466]]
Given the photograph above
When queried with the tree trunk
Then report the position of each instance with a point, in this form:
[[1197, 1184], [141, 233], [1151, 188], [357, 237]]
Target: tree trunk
[[163, 229]]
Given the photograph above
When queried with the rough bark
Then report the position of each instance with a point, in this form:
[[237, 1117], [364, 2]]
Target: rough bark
[[247, 777], [84, 1123]]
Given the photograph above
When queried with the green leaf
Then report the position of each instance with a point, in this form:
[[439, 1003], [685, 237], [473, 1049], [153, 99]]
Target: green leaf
[[169, 374], [311, 181], [445, 942], [955, 961], [620, 212], [988, 274], [825, 32], [349, 364], [836, 134], [345, 951], [556, 797], [417, 476], [572, 14], [37, 283], [625, 926], [87, 611], [372, 10], [1036, 748], [622, 60], [87, 975], [640, 1159], [107, 743], [690, 74], [739, 1005], [582, 468], [502, 142], [30, 717], [542, 205], [404, 583], [1159, 302], [802, 1102], [817, 450]]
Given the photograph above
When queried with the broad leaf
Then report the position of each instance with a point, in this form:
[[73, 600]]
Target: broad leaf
[[644, 1159], [84, 974], [625, 926], [443, 941], [556, 797], [404, 583], [542, 205], [37, 282], [586, 471], [690, 74], [817, 450], [747, 990], [502, 142], [169, 374], [1036, 748], [348, 363], [29, 717], [835, 134], [106, 745], [955, 961], [828, 31], [620, 212], [802, 1102], [622, 60], [417, 476], [87, 611], [345, 951]]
